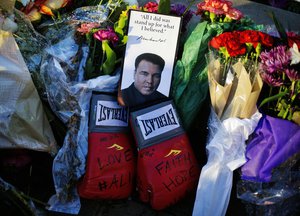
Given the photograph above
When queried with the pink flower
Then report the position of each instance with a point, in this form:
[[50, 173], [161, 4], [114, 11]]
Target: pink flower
[[151, 7], [234, 14], [272, 79], [219, 7], [106, 34], [292, 74], [87, 27], [277, 59]]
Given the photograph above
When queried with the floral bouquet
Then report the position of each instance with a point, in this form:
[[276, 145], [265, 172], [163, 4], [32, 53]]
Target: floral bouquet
[[233, 75], [190, 82], [271, 174], [234, 87]]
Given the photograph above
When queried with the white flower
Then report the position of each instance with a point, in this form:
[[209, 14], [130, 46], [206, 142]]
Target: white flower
[[295, 54]]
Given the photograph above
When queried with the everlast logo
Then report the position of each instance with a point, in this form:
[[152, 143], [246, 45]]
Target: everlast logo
[[108, 113], [165, 120]]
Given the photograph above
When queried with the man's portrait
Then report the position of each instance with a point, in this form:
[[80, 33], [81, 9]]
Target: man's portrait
[[148, 68], [149, 58]]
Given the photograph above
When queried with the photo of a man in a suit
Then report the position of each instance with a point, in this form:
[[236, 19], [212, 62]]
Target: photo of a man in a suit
[[147, 77]]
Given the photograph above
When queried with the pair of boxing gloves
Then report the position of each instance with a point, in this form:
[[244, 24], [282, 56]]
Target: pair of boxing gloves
[[146, 149]]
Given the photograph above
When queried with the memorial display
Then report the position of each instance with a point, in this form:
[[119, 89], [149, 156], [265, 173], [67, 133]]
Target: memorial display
[[155, 103]]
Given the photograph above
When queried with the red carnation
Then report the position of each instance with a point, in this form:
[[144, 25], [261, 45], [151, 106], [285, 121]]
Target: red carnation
[[266, 39], [249, 36], [294, 39]]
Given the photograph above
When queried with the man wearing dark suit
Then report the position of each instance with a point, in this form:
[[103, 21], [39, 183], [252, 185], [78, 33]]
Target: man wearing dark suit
[[147, 76]]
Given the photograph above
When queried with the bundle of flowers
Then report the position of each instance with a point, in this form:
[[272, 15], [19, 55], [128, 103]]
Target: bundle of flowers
[[35, 9], [107, 42], [273, 151], [280, 70], [190, 83], [233, 72], [234, 86]]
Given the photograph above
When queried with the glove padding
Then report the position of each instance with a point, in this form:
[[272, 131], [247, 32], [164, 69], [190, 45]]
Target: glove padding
[[110, 171], [166, 172]]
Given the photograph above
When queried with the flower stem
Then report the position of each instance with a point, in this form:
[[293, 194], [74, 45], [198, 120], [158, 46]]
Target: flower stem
[[188, 7]]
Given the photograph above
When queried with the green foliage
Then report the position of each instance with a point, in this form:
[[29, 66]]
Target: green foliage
[[164, 6]]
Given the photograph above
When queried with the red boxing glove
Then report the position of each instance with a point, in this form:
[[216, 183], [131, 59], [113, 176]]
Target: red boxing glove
[[110, 168], [167, 167]]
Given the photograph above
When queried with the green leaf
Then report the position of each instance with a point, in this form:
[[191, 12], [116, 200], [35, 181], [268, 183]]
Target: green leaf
[[120, 25], [164, 6], [273, 98], [89, 68], [109, 64], [185, 67], [279, 26], [125, 39]]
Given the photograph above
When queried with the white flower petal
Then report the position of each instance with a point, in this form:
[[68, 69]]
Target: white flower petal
[[295, 54]]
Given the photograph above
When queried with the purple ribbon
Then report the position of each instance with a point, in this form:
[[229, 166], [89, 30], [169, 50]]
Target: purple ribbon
[[274, 141]]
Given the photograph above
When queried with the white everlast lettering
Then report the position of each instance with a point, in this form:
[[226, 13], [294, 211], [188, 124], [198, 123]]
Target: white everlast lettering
[[163, 120], [108, 113]]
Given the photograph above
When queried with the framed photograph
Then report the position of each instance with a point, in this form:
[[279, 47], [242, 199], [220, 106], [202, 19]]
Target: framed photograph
[[149, 58]]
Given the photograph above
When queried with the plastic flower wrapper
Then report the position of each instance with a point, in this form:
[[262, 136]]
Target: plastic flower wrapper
[[270, 177], [23, 121], [31, 44], [225, 154], [68, 93], [190, 81]]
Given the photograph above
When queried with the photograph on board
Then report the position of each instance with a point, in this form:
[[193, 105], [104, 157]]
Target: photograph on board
[[149, 58]]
